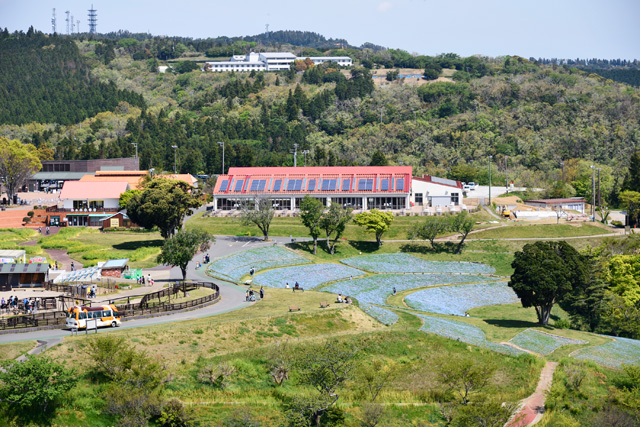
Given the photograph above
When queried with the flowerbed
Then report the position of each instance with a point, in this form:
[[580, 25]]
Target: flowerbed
[[237, 265], [541, 342], [457, 300], [464, 332], [308, 276], [385, 316], [622, 351], [405, 263], [376, 289]]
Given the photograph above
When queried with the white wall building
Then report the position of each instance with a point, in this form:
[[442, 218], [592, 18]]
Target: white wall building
[[431, 191], [270, 61]]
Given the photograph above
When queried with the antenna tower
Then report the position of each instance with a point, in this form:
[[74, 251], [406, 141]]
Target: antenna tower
[[53, 21], [73, 25], [93, 20], [78, 26], [67, 12]]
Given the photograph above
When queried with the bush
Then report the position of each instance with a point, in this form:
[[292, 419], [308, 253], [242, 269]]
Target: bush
[[617, 224], [562, 323], [26, 219], [30, 214]]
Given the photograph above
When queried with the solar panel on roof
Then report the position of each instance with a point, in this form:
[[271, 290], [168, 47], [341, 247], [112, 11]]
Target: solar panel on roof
[[258, 184], [384, 185], [365, 184], [294, 185], [329, 184], [444, 181], [312, 185], [277, 185], [400, 184], [346, 184], [224, 185], [239, 184]]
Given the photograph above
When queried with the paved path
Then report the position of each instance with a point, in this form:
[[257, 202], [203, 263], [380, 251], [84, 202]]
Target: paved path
[[533, 406]]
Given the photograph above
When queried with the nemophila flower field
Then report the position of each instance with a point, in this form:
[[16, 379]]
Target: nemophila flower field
[[385, 316], [376, 289], [541, 342], [456, 300], [622, 351], [237, 265], [405, 263], [308, 276], [464, 332]]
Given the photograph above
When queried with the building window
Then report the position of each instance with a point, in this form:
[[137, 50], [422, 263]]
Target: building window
[[419, 199], [455, 198]]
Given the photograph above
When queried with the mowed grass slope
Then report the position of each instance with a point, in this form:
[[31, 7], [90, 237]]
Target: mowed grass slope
[[520, 231]]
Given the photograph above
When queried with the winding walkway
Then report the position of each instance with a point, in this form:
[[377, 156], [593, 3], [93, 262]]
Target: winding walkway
[[533, 406]]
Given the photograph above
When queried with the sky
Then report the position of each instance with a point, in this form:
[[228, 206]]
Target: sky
[[542, 28]]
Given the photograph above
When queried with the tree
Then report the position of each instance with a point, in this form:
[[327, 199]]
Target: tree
[[33, 388], [126, 196], [378, 159], [462, 224], [180, 249], [464, 376], [325, 369], [429, 229], [632, 179], [163, 203], [258, 212], [376, 221], [311, 211], [334, 222], [631, 200], [18, 162], [546, 272]]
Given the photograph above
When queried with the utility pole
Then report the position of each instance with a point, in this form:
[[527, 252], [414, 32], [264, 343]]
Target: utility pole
[[135, 145], [593, 193], [562, 164], [599, 200], [305, 152], [295, 155], [490, 157], [222, 144], [175, 159], [506, 178]]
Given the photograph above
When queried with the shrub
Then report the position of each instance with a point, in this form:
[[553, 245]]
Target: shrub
[[30, 214], [175, 414], [26, 219], [618, 224], [562, 323]]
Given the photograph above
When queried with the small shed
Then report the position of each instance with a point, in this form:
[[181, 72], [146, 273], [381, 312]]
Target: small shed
[[118, 220], [12, 255], [15, 275], [114, 267]]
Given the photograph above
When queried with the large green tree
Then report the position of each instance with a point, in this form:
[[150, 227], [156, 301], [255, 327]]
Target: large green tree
[[631, 201], [429, 229], [163, 203], [376, 221], [632, 179], [311, 211], [546, 272], [180, 249], [18, 162], [31, 389], [462, 224]]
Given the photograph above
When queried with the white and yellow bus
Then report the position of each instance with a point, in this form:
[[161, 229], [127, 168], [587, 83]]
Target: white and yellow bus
[[105, 315]]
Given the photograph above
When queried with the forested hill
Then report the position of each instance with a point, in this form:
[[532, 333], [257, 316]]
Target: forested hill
[[45, 79]]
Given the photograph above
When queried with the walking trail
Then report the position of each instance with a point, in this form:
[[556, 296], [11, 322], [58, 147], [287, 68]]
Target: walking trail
[[533, 406]]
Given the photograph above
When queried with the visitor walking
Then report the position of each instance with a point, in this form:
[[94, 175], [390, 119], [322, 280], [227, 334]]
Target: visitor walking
[[394, 290], [73, 267], [261, 292]]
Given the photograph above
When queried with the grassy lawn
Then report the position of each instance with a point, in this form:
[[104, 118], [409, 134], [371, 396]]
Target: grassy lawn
[[292, 226], [11, 238], [12, 350], [88, 246], [540, 230]]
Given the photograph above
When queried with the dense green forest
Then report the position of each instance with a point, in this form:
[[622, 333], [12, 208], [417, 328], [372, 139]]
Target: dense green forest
[[44, 79], [542, 123]]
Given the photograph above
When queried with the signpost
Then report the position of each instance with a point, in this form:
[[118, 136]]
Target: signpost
[[92, 324]]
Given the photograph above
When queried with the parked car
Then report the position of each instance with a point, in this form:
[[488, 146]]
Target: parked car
[[472, 185]]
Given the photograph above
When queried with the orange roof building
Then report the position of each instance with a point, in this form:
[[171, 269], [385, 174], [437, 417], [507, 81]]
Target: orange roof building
[[133, 179]]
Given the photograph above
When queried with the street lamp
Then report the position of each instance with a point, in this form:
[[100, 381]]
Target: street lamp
[[593, 193], [175, 159], [490, 157], [222, 144]]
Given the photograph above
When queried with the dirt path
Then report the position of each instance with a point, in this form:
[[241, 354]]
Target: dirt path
[[533, 406], [64, 260]]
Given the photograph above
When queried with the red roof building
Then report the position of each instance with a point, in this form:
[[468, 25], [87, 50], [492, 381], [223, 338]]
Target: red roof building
[[360, 187]]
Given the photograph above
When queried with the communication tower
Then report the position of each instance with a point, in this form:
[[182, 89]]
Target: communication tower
[[53, 21], [78, 26], [73, 25], [93, 20], [68, 27]]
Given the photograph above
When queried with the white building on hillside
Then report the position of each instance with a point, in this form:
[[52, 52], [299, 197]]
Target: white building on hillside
[[434, 192], [270, 61]]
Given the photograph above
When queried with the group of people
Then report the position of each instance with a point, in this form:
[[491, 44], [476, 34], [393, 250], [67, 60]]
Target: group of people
[[145, 282], [345, 300], [30, 305], [205, 260], [91, 292], [251, 296], [46, 228], [296, 287]]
